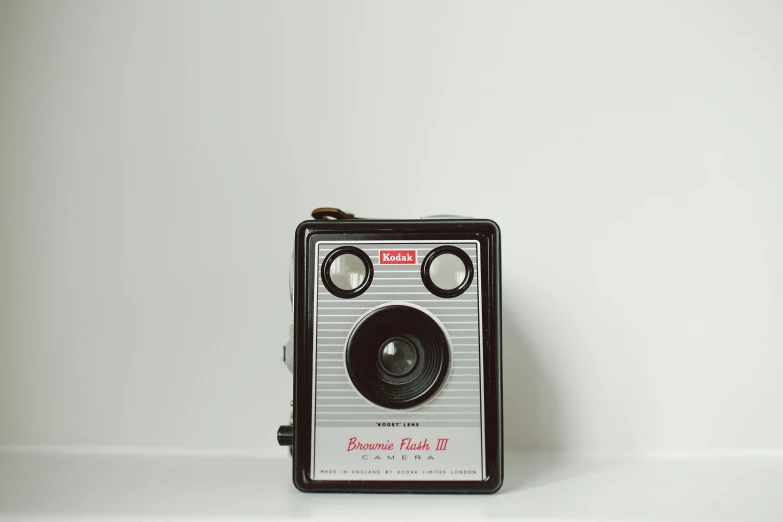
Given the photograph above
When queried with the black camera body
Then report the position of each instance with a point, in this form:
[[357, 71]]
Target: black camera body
[[397, 367]]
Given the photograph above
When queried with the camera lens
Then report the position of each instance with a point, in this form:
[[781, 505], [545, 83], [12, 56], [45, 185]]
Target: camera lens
[[447, 271], [398, 357], [346, 272]]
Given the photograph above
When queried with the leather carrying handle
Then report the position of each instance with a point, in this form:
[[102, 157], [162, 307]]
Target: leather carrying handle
[[331, 213]]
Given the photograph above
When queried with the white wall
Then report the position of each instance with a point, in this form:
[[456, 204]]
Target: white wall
[[156, 157]]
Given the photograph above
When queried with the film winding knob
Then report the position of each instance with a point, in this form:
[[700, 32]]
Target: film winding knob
[[285, 435]]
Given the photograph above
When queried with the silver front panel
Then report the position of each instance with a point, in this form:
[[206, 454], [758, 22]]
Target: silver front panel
[[340, 413]]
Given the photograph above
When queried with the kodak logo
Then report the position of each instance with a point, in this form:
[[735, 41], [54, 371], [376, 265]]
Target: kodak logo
[[398, 257]]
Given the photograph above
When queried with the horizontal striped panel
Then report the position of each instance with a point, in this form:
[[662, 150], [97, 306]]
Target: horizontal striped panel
[[340, 349], [421, 424], [330, 307], [446, 396], [346, 414], [456, 409], [421, 251], [338, 403], [361, 402], [338, 367]]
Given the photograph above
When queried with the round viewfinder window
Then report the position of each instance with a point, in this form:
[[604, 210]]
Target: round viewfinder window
[[346, 272], [447, 271]]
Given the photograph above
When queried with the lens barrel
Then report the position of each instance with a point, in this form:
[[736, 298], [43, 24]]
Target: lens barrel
[[398, 356]]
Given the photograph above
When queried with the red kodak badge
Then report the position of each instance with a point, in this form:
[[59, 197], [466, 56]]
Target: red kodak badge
[[398, 257]]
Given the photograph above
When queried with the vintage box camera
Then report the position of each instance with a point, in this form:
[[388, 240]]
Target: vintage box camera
[[396, 356]]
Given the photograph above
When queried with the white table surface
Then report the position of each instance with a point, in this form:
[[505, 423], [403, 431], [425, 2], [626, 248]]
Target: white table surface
[[537, 487]]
